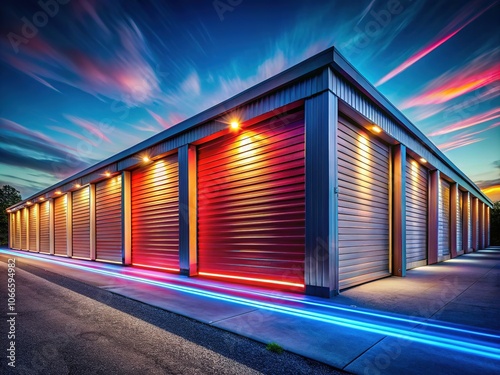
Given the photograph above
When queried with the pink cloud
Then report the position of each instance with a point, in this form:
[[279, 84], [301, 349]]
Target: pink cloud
[[459, 23], [462, 140], [89, 126], [73, 134], [173, 119], [469, 122]]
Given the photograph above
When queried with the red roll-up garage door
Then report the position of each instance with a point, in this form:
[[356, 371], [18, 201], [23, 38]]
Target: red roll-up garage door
[[363, 174], [109, 220], [44, 228], [32, 227], [60, 225], [24, 229], [155, 215], [416, 214], [251, 204], [81, 223]]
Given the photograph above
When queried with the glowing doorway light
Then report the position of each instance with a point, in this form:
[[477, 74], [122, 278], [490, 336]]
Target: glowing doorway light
[[443, 341], [235, 125]]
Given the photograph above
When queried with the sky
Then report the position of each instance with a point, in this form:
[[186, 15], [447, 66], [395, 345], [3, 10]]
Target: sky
[[84, 80]]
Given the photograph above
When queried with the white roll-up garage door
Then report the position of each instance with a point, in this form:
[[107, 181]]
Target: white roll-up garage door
[[32, 227], [444, 221], [81, 223], [416, 214], [363, 173], [44, 227], [459, 221], [469, 224], [109, 220], [24, 229], [60, 225]]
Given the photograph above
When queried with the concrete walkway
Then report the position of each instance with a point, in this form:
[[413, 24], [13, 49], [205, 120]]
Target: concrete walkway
[[440, 319]]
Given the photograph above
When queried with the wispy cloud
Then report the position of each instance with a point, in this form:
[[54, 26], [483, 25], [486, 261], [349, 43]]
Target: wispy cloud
[[481, 72], [465, 139], [89, 126], [465, 16], [469, 122], [72, 133]]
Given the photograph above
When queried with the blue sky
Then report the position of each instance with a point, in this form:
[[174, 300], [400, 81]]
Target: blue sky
[[83, 80]]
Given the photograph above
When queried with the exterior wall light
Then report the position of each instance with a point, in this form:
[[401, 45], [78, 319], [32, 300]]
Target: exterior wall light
[[235, 125], [422, 160], [376, 129]]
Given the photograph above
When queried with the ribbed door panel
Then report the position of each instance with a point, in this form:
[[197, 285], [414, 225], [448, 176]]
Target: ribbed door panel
[[459, 221], [444, 219], [60, 226], [155, 215], [251, 203], [416, 214], [469, 223], [109, 220], [13, 232], [363, 208], [24, 229], [81, 223], [32, 227], [44, 228], [18, 229]]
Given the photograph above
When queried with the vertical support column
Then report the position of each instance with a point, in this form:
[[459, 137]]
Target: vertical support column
[[51, 225], [433, 215], [480, 241], [92, 221], [453, 219], [474, 223], [38, 208], [321, 250], [487, 227], [465, 222], [26, 214], [188, 254], [127, 217], [9, 237], [69, 224], [399, 211]]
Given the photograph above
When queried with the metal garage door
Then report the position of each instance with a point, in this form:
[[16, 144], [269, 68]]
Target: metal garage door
[[155, 215], [444, 220], [469, 219], [416, 214], [251, 205], [18, 229], [81, 223], [363, 173], [60, 225], [44, 228], [109, 220], [32, 227], [13, 233], [459, 221], [24, 229]]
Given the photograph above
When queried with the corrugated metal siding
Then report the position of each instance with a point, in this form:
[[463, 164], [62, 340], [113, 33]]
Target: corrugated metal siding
[[32, 227], [44, 228], [60, 225], [155, 214], [18, 229], [363, 174], [24, 229], [81, 223], [251, 203], [109, 220], [444, 219], [417, 196], [459, 221], [13, 233]]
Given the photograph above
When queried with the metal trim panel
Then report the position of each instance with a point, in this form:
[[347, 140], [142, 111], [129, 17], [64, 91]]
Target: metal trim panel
[[32, 227], [417, 201], [81, 223], [251, 202], [60, 224], [155, 214], [44, 227], [108, 211], [459, 213], [364, 206], [444, 220]]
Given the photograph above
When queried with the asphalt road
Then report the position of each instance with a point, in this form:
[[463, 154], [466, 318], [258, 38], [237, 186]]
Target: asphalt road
[[66, 327]]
